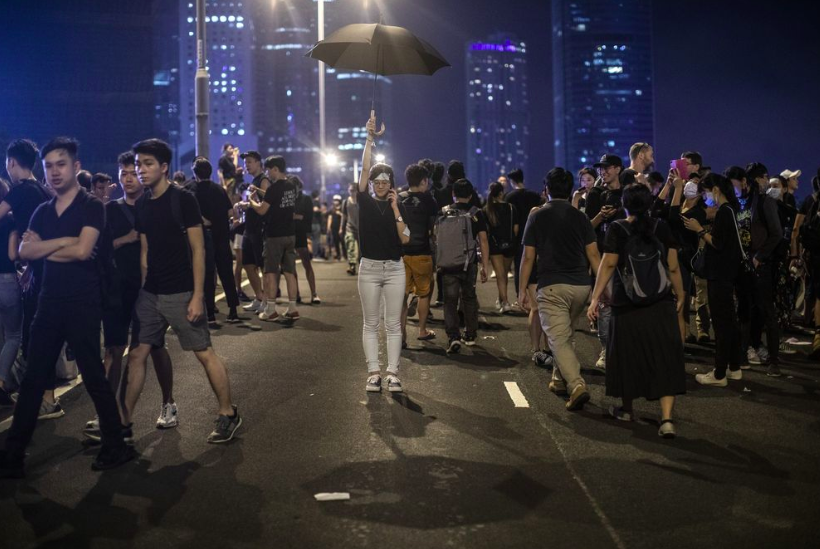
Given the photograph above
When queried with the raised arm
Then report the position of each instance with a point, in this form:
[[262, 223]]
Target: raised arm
[[368, 146]]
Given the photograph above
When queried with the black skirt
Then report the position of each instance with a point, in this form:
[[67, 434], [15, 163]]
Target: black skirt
[[644, 356]]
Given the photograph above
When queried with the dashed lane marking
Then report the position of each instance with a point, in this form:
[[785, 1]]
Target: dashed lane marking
[[516, 395]]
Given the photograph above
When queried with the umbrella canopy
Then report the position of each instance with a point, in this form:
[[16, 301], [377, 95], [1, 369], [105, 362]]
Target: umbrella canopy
[[378, 49]]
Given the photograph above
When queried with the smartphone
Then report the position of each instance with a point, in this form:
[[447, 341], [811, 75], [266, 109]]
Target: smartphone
[[680, 165]]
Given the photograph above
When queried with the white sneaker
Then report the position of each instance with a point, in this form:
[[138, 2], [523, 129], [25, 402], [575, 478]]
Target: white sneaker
[[763, 353], [710, 379], [268, 312], [787, 349], [254, 306], [497, 303], [734, 376], [168, 418], [601, 363], [505, 308], [752, 356]]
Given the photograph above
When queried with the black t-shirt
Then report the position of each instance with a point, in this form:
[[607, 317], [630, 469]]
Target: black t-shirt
[[75, 280], [524, 201], [126, 259], [24, 199], [169, 259], [335, 221], [254, 223], [807, 206], [560, 235], [503, 230], [615, 243], [304, 207], [688, 239], [281, 196], [378, 236], [6, 228], [421, 214], [723, 256], [214, 205]]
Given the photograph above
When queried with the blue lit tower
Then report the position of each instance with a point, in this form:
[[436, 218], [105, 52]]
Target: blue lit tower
[[602, 78], [497, 108], [228, 40]]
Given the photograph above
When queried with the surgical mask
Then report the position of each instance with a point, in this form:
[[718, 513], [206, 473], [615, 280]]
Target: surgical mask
[[710, 200], [774, 192], [690, 190]]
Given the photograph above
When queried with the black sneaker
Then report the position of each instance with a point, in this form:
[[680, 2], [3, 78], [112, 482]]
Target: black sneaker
[[454, 346], [233, 317], [226, 427], [243, 296], [468, 340], [111, 457], [773, 371], [298, 299], [92, 432], [9, 467]]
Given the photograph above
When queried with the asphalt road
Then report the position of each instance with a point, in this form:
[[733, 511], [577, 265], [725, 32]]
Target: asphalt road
[[450, 463]]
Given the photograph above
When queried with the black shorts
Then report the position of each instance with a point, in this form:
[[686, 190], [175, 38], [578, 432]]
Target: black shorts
[[509, 252], [253, 246], [118, 318], [301, 240]]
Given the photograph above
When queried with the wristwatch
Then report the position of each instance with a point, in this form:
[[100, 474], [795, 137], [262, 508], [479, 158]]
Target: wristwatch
[[399, 219]]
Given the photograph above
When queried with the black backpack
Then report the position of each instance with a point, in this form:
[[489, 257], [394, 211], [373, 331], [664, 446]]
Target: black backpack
[[645, 276], [810, 229]]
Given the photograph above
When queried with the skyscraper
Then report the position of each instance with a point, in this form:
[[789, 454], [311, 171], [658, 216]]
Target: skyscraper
[[497, 108], [602, 78], [229, 37], [166, 74]]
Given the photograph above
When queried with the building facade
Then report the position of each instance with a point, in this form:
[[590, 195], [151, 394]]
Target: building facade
[[602, 78], [497, 108]]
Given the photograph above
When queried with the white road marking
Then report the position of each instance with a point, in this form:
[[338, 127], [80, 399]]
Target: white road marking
[[516, 395]]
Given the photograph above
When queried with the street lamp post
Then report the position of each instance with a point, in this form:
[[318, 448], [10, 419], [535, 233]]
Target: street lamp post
[[322, 109], [201, 84]]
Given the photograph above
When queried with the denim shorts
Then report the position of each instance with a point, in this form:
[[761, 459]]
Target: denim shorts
[[156, 312]]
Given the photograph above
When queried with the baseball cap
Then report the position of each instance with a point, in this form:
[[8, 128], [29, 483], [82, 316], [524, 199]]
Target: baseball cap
[[252, 154], [609, 160], [788, 174]]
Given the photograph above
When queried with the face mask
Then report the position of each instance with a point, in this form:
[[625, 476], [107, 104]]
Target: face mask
[[710, 200], [774, 192], [690, 190]]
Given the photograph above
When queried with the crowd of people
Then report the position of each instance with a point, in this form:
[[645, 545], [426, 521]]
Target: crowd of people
[[638, 252]]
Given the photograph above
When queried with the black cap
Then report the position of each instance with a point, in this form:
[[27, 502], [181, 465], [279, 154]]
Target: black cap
[[252, 154], [609, 160]]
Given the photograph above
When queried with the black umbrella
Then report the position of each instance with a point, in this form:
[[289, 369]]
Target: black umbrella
[[378, 49]]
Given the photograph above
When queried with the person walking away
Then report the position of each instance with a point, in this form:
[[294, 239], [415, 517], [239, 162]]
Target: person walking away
[[350, 226], [382, 232], [523, 200], [503, 228], [645, 352], [334, 228], [562, 239]]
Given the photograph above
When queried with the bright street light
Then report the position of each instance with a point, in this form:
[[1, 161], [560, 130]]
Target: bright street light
[[331, 160]]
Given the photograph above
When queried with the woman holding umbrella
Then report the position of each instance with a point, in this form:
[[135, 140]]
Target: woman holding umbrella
[[382, 232]]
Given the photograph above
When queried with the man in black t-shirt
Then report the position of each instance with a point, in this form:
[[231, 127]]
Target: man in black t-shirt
[[253, 240], [277, 206], [216, 209], [64, 232], [303, 218], [459, 285], [421, 211], [173, 261], [524, 200]]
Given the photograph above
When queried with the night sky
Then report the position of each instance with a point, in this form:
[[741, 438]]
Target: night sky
[[737, 81]]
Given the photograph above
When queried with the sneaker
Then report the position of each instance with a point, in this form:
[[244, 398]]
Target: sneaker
[[734, 375], [498, 304], [393, 383], [785, 348], [763, 353], [290, 316], [505, 308], [412, 305], [703, 338], [543, 359], [710, 379], [468, 340], [752, 356], [374, 384], [268, 312], [168, 416], [109, 458], [212, 323], [578, 398], [254, 306], [773, 371], [50, 411], [10, 468], [92, 432], [691, 339], [558, 387], [620, 414], [226, 427], [299, 299], [454, 346], [92, 426], [601, 362], [233, 317], [315, 300], [243, 296], [667, 429], [351, 270]]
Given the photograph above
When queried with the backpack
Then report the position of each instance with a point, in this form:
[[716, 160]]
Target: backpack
[[455, 243], [645, 276], [810, 230]]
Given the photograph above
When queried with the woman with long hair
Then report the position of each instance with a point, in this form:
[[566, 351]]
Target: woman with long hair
[[586, 180], [644, 357], [382, 233], [503, 230], [723, 256]]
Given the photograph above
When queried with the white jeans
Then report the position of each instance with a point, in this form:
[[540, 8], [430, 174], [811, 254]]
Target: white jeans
[[381, 280]]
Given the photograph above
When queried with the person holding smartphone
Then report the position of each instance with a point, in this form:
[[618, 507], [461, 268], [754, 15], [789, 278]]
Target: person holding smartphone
[[382, 233]]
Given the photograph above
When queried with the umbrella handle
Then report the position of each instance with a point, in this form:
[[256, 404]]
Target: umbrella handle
[[373, 116]]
